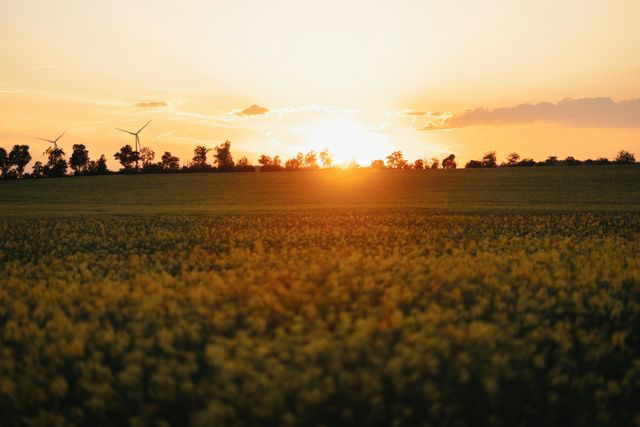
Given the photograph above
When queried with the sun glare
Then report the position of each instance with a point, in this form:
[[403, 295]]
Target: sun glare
[[348, 141]]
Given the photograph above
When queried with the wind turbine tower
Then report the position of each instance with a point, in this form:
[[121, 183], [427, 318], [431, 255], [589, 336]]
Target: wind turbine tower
[[136, 135]]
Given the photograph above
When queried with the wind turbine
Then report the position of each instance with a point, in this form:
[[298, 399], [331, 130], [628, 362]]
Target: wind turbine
[[136, 135], [54, 141]]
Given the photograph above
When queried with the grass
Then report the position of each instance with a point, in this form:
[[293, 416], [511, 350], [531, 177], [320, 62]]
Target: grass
[[451, 298], [504, 189]]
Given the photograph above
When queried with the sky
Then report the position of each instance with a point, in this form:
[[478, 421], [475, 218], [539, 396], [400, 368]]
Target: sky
[[362, 78]]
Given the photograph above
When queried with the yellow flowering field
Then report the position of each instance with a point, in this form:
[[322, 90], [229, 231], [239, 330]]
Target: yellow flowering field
[[375, 317]]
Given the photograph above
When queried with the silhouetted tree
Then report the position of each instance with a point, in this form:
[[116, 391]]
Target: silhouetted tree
[[418, 164], [4, 162], [513, 159], [435, 163], [269, 164], [19, 157], [396, 160], [244, 165], [311, 160], [489, 160], [79, 159], [146, 156], [326, 158], [101, 166], [169, 162], [449, 162], [199, 160], [127, 157], [98, 167], [223, 158], [243, 162], [38, 170], [265, 160], [571, 161], [602, 161], [551, 161], [473, 164], [377, 164], [526, 163], [56, 163], [625, 157], [295, 163], [277, 162]]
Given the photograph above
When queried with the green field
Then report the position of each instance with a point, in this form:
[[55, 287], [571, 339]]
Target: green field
[[512, 189], [507, 297]]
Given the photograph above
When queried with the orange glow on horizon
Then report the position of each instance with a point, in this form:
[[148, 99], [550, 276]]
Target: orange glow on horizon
[[347, 141]]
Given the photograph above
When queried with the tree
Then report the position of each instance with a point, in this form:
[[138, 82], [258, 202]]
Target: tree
[[169, 162], [311, 160], [4, 162], [147, 155], [526, 162], [449, 162], [295, 163], [418, 164], [38, 170], [551, 161], [244, 164], [265, 160], [396, 160], [19, 157], [513, 159], [625, 157], [127, 157], [489, 160], [435, 163], [56, 164], [377, 164], [326, 158], [473, 164], [79, 160], [277, 163], [98, 167], [223, 158], [269, 164], [602, 161], [199, 160], [571, 161]]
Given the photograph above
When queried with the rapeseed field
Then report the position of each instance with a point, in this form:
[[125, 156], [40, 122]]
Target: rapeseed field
[[375, 317]]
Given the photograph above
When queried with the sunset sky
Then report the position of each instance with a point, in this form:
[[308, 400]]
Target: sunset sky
[[360, 77]]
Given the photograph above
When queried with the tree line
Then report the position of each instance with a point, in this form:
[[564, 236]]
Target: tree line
[[14, 162], [489, 160]]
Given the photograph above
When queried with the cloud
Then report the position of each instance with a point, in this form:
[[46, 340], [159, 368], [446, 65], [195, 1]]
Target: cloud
[[254, 110], [155, 104], [433, 126], [584, 112], [416, 113]]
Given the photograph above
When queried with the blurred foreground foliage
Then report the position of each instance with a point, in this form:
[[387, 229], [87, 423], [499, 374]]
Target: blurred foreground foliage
[[374, 318]]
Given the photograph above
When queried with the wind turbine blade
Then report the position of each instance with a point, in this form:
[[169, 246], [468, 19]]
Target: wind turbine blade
[[144, 126], [125, 131], [48, 140], [65, 131]]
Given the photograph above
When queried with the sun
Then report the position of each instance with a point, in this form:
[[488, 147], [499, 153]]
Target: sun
[[348, 141]]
